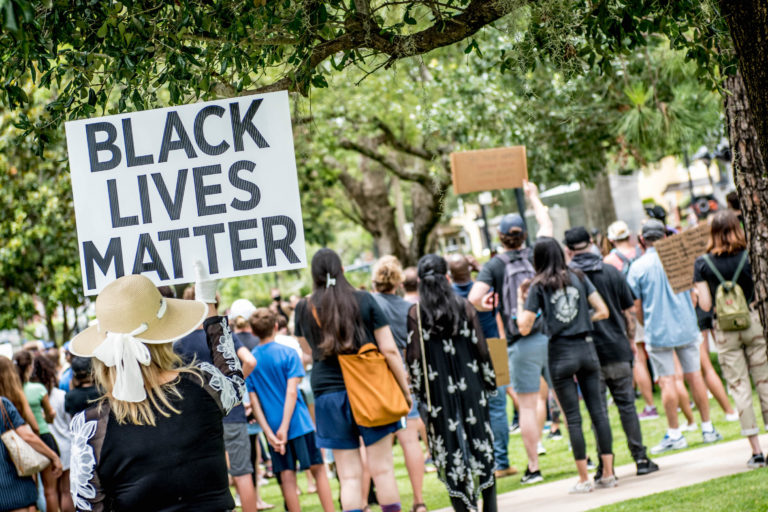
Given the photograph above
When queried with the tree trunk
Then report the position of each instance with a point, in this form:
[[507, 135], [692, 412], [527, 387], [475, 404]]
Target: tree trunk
[[65, 329], [748, 24], [598, 203], [427, 209], [49, 322], [376, 214], [749, 171]]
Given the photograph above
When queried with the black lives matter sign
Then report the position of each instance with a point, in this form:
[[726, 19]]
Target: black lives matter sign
[[154, 191]]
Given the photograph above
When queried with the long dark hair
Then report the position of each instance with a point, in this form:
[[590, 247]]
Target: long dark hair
[[440, 307], [549, 262], [338, 313], [44, 372], [22, 360]]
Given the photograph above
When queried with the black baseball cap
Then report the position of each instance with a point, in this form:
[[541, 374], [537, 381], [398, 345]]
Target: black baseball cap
[[511, 222], [577, 238]]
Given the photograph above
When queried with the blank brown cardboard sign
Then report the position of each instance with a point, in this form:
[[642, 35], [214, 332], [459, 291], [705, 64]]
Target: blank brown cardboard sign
[[488, 169], [498, 349], [678, 254]]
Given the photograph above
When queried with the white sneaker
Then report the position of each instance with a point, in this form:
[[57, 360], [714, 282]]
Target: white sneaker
[[540, 449], [668, 443], [732, 417], [711, 437], [582, 487], [690, 427], [607, 482]]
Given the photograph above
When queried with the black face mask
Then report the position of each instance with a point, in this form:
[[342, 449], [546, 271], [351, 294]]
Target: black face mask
[[276, 298]]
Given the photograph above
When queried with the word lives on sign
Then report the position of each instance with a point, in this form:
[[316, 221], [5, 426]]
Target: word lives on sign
[[157, 190], [678, 255]]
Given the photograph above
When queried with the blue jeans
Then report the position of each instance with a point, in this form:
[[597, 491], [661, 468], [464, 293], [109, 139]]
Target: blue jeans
[[497, 408]]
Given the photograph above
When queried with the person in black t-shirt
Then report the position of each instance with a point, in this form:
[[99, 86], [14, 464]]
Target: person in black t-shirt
[[741, 353], [83, 391], [614, 340], [337, 319], [564, 298]]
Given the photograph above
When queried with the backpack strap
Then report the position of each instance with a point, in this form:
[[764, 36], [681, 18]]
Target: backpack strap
[[717, 273], [740, 267], [626, 261]]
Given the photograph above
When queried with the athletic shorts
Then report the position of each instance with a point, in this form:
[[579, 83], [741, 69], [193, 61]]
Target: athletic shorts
[[663, 361], [336, 428], [528, 360], [50, 441], [238, 446], [300, 452]]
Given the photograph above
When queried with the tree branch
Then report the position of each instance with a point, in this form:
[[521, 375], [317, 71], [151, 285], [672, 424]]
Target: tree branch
[[386, 162]]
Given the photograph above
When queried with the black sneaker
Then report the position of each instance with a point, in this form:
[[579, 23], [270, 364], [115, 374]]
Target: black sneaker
[[645, 466], [599, 472], [590, 464], [554, 435], [757, 461], [531, 477]]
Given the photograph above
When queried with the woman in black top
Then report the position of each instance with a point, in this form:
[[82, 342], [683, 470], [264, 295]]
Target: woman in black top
[[452, 378], [155, 440], [337, 319], [564, 297], [741, 353]]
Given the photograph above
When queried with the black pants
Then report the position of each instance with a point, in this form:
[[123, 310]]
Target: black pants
[[619, 380], [489, 501], [574, 357]]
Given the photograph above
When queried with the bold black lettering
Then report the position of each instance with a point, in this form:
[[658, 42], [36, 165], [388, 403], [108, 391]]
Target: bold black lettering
[[114, 208], [210, 232], [173, 123], [284, 244], [205, 147], [106, 145], [91, 255], [245, 185], [130, 152], [173, 207], [174, 235], [202, 190], [240, 126], [238, 246], [146, 208], [154, 264]]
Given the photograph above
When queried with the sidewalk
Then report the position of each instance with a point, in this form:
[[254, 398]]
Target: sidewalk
[[677, 470]]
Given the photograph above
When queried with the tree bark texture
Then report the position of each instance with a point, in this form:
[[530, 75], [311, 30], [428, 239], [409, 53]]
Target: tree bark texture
[[598, 203], [748, 24], [749, 171]]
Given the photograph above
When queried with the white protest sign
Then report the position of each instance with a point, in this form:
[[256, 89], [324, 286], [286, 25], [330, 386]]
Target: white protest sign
[[156, 190]]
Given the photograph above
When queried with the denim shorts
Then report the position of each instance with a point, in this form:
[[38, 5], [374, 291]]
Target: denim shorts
[[336, 427], [414, 412], [663, 361], [528, 360]]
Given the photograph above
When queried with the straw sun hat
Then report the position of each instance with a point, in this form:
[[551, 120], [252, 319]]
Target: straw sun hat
[[129, 313]]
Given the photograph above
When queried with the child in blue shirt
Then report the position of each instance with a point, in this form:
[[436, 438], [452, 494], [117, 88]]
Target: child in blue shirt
[[282, 413]]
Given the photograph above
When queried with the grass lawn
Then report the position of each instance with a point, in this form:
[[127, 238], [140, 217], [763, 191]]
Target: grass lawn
[[555, 465], [744, 492]]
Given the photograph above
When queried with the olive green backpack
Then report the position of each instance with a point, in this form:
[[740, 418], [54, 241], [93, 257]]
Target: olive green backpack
[[730, 303]]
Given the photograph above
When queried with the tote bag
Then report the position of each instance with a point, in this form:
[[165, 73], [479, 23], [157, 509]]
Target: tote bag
[[27, 460]]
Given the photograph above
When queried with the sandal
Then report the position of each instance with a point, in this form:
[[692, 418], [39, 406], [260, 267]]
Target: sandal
[[419, 507]]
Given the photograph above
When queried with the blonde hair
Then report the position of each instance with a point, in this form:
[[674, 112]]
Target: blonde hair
[[159, 394], [387, 274]]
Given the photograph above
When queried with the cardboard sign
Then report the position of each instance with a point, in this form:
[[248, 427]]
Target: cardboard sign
[[498, 349], [488, 169], [154, 191], [678, 254]]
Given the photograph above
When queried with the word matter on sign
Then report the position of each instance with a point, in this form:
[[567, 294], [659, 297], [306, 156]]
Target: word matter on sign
[[155, 191], [678, 254]]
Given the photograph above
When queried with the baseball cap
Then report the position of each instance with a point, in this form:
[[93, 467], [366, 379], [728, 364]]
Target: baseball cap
[[241, 307], [618, 231], [510, 222], [577, 238], [653, 229]]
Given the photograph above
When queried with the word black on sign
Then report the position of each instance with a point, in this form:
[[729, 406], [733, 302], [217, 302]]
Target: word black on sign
[[156, 190]]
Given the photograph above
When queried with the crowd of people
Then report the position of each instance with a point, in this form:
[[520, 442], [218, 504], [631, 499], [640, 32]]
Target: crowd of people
[[163, 404]]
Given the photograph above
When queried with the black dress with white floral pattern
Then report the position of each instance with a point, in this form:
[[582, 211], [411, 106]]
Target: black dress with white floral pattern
[[460, 377]]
